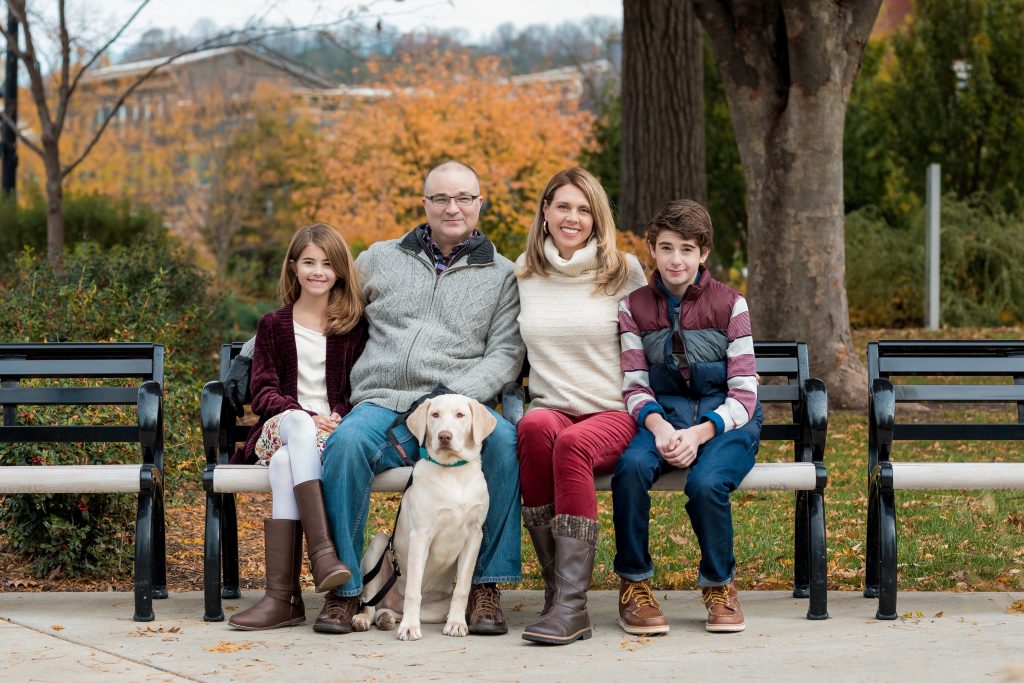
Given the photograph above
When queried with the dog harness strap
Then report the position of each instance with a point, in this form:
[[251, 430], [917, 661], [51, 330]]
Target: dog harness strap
[[369, 576]]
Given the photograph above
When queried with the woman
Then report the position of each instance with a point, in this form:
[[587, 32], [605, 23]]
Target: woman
[[571, 279]]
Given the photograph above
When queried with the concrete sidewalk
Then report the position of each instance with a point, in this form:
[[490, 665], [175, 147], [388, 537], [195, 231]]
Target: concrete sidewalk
[[84, 637]]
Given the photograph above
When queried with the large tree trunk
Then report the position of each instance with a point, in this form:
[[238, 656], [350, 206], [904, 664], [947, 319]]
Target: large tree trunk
[[788, 67], [54, 206], [662, 148]]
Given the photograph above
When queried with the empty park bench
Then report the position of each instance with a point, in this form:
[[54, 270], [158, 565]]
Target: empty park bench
[[94, 374], [806, 428], [895, 370]]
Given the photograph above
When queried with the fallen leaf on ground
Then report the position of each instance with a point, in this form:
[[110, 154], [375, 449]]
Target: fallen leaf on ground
[[57, 627], [224, 646], [939, 614], [1016, 607]]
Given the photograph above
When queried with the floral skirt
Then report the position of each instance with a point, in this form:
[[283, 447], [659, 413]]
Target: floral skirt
[[270, 439]]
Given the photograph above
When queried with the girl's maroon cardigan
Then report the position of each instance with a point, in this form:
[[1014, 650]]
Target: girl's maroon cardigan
[[275, 371]]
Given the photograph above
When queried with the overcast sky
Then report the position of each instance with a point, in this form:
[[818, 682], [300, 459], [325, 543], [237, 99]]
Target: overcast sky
[[479, 17]]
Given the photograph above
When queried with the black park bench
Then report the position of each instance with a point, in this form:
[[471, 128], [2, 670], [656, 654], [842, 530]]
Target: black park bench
[[94, 374], [895, 370]]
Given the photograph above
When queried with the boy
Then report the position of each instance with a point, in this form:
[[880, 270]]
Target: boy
[[690, 382]]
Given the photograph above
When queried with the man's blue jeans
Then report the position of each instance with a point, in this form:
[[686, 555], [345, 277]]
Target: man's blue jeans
[[721, 465], [359, 449]]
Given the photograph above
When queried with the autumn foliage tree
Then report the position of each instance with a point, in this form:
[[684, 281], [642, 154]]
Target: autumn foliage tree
[[441, 106]]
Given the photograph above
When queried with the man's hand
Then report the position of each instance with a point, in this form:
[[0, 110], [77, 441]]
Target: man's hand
[[236, 386]]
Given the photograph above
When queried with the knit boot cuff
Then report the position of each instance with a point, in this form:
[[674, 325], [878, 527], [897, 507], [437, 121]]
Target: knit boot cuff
[[538, 516], [580, 528]]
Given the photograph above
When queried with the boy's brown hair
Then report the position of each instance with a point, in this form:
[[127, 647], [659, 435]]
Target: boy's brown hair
[[688, 219]]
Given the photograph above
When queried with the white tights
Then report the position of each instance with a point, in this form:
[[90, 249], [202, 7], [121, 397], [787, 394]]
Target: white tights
[[297, 461]]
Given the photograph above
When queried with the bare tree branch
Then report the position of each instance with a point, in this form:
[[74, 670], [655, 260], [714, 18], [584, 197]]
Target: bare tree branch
[[35, 75], [106, 46], [10, 123], [65, 68]]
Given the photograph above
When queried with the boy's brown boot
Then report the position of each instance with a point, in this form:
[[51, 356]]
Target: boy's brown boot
[[639, 611], [281, 605], [723, 605]]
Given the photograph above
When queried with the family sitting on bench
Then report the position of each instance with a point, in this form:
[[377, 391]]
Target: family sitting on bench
[[626, 377]]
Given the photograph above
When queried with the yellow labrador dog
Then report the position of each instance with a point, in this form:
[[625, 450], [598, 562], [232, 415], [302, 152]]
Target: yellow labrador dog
[[440, 525]]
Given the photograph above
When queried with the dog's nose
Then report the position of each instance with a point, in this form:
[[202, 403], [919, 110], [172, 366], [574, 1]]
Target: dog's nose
[[444, 437]]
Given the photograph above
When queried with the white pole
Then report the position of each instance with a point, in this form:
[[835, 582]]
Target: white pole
[[932, 195]]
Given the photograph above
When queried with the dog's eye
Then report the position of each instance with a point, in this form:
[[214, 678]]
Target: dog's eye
[[460, 415], [435, 414]]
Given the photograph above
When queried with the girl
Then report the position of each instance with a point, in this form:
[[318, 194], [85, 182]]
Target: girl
[[300, 367], [571, 278]]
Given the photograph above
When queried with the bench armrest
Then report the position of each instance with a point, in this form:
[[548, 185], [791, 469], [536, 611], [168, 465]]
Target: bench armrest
[[151, 422], [883, 416], [212, 406], [815, 417]]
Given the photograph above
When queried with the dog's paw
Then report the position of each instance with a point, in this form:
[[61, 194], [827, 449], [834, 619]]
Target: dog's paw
[[409, 631], [360, 622], [386, 620], [456, 628]]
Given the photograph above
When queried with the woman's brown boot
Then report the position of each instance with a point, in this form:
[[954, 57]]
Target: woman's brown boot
[[281, 604], [568, 619], [328, 571], [537, 521]]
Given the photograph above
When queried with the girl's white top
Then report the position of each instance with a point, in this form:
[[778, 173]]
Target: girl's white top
[[311, 348]]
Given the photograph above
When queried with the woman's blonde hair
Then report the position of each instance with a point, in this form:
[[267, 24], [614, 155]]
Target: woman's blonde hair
[[345, 302], [612, 269]]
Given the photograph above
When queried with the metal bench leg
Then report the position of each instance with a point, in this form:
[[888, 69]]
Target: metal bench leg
[[817, 557], [871, 548], [211, 559], [229, 544], [159, 545], [801, 588], [144, 558], [886, 555]]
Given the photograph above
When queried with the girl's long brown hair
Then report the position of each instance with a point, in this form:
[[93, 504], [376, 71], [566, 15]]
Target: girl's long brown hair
[[612, 269], [345, 302]]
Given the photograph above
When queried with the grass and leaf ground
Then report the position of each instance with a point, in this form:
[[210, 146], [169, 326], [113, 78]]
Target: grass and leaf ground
[[948, 540]]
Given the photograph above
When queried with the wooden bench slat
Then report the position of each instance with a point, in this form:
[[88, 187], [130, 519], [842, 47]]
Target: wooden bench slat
[[778, 476], [957, 475], [72, 434], [778, 393], [38, 396], [769, 365], [780, 432], [956, 393], [960, 365], [958, 432], [70, 478], [104, 367]]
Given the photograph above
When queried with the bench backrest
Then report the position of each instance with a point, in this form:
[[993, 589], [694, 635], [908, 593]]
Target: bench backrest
[[896, 361], [788, 360], [138, 361]]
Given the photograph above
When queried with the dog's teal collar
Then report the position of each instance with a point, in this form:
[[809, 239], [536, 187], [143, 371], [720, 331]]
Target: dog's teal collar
[[425, 456]]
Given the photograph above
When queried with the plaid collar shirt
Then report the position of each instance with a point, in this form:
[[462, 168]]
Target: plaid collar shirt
[[442, 262]]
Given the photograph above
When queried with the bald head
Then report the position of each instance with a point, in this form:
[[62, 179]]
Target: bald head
[[449, 166]]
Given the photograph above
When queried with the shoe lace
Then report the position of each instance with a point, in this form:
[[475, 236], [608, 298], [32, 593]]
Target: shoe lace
[[486, 599], [340, 608], [717, 595], [640, 592]]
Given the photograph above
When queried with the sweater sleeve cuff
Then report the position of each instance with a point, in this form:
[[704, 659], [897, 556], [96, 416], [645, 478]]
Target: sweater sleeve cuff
[[646, 409], [716, 419]]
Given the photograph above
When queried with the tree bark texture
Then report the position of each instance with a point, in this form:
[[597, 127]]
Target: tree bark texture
[[788, 66], [662, 148]]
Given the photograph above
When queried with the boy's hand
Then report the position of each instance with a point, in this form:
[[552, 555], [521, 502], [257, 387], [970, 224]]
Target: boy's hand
[[664, 433], [684, 451]]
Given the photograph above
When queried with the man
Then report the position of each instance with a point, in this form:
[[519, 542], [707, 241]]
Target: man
[[441, 305]]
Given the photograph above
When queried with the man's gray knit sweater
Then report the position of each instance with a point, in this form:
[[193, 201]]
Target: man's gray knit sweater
[[457, 327]]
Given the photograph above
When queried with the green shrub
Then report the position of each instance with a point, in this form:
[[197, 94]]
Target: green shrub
[[145, 292], [87, 217], [981, 272]]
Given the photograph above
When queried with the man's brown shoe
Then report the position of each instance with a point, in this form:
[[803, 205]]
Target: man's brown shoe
[[639, 612], [483, 611], [336, 616], [723, 605]]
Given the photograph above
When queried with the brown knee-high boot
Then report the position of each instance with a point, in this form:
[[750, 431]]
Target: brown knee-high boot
[[537, 521], [328, 571], [281, 604], [568, 619]]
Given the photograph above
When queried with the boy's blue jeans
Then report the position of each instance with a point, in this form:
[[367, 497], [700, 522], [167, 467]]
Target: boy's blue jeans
[[721, 465], [359, 449]]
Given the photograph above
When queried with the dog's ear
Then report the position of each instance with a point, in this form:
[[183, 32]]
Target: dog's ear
[[417, 421], [483, 421]]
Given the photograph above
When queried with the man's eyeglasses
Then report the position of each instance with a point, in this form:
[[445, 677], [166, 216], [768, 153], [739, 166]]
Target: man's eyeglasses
[[442, 200]]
